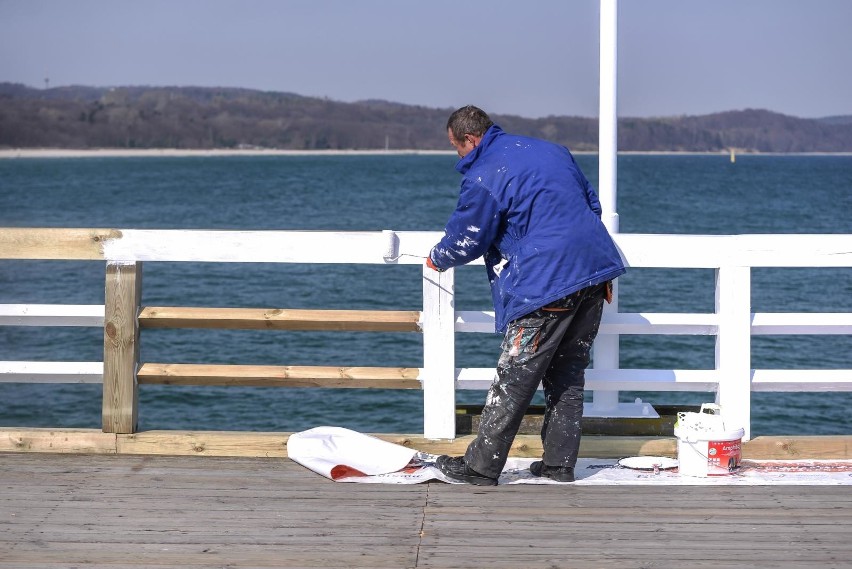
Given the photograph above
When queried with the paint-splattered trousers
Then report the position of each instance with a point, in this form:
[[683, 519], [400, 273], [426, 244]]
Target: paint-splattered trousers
[[552, 346]]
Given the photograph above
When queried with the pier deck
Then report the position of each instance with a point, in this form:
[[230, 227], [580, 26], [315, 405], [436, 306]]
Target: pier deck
[[120, 511]]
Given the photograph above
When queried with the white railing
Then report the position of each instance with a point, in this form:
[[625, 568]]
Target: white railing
[[732, 322]]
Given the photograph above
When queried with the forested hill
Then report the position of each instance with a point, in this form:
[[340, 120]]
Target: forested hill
[[196, 117]]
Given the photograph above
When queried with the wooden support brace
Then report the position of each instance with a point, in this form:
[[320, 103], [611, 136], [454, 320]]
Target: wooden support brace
[[279, 376], [280, 319], [121, 346]]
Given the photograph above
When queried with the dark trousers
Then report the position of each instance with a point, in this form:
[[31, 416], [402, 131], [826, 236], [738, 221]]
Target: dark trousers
[[551, 345]]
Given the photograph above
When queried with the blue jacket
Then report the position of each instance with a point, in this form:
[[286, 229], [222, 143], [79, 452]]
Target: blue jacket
[[525, 205]]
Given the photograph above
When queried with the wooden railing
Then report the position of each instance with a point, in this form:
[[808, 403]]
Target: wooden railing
[[122, 316]]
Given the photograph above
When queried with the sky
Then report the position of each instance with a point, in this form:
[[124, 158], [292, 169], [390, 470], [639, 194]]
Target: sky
[[533, 59]]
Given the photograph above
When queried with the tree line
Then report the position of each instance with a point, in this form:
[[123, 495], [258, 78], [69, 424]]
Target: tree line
[[208, 118]]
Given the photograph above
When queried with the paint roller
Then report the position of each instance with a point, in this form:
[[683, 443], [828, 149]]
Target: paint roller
[[392, 247]]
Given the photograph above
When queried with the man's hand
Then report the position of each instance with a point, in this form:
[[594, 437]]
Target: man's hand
[[432, 266]]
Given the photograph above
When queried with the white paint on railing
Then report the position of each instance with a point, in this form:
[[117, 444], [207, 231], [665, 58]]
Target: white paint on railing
[[248, 246], [792, 380], [785, 323], [637, 250], [733, 344], [625, 379], [51, 372], [90, 315], [439, 348]]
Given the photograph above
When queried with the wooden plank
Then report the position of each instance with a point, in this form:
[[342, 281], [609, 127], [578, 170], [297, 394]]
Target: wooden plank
[[349, 247], [54, 243], [280, 319], [88, 441], [482, 321], [639, 250], [623, 379], [91, 315], [801, 447], [529, 446], [792, 250], [777, 323], [279, 376], [801, 380], [659, 323], [51, 372], [121, 346], [252, 444], [206, 443]]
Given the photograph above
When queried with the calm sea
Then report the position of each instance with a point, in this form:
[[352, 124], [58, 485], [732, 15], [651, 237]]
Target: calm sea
[[657, 194]]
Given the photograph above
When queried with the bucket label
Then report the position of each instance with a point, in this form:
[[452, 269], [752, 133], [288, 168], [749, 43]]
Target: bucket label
[[723, 457]]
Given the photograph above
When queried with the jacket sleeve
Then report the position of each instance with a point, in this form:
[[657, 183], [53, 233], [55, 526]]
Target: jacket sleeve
[[592, 197], [471, 229]]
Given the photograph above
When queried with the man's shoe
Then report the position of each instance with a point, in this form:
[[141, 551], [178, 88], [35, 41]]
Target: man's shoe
[[557, 473], [455, 468]]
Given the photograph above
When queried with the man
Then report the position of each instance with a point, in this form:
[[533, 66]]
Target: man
[[525, 205]]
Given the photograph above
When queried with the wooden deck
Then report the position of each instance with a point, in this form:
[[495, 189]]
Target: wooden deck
[[120, 511]]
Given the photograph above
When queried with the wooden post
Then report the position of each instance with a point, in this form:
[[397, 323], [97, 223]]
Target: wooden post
[[121, 346], [439, 362], [733, 346]]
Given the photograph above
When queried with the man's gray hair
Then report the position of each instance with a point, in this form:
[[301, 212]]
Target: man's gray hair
[[468, 120]]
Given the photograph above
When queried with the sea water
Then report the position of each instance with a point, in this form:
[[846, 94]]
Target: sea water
[[694, 194]]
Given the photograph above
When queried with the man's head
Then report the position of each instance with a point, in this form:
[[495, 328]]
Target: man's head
[[465, 128]]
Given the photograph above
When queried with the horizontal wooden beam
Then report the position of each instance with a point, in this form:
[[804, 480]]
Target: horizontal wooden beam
[[791, 380], [203, 246], [369, 247], [90, 315], [51, 372], [279, 376], [778, 323], [614, 379], [660, 323], [280, 319], [54, 243], [237, 443], [618, 323]]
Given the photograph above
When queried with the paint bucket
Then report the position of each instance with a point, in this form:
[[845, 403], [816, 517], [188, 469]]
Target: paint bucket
[[705, 446]]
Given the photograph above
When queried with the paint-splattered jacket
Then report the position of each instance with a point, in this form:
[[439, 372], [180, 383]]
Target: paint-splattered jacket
[[525, 205]]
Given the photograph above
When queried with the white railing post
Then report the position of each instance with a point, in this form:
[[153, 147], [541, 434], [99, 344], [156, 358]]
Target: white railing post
[[439, 348], [606, 347], [608, 114], [733, 345]]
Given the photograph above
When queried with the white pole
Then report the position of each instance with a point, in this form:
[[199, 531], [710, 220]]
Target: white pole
[[608, 114], [606, 347]]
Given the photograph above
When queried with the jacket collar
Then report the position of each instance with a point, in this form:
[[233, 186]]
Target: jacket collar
[[465, 163]]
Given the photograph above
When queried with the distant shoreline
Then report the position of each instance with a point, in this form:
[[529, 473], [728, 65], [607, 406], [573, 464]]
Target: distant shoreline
[[221, 152], [177, 152]]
